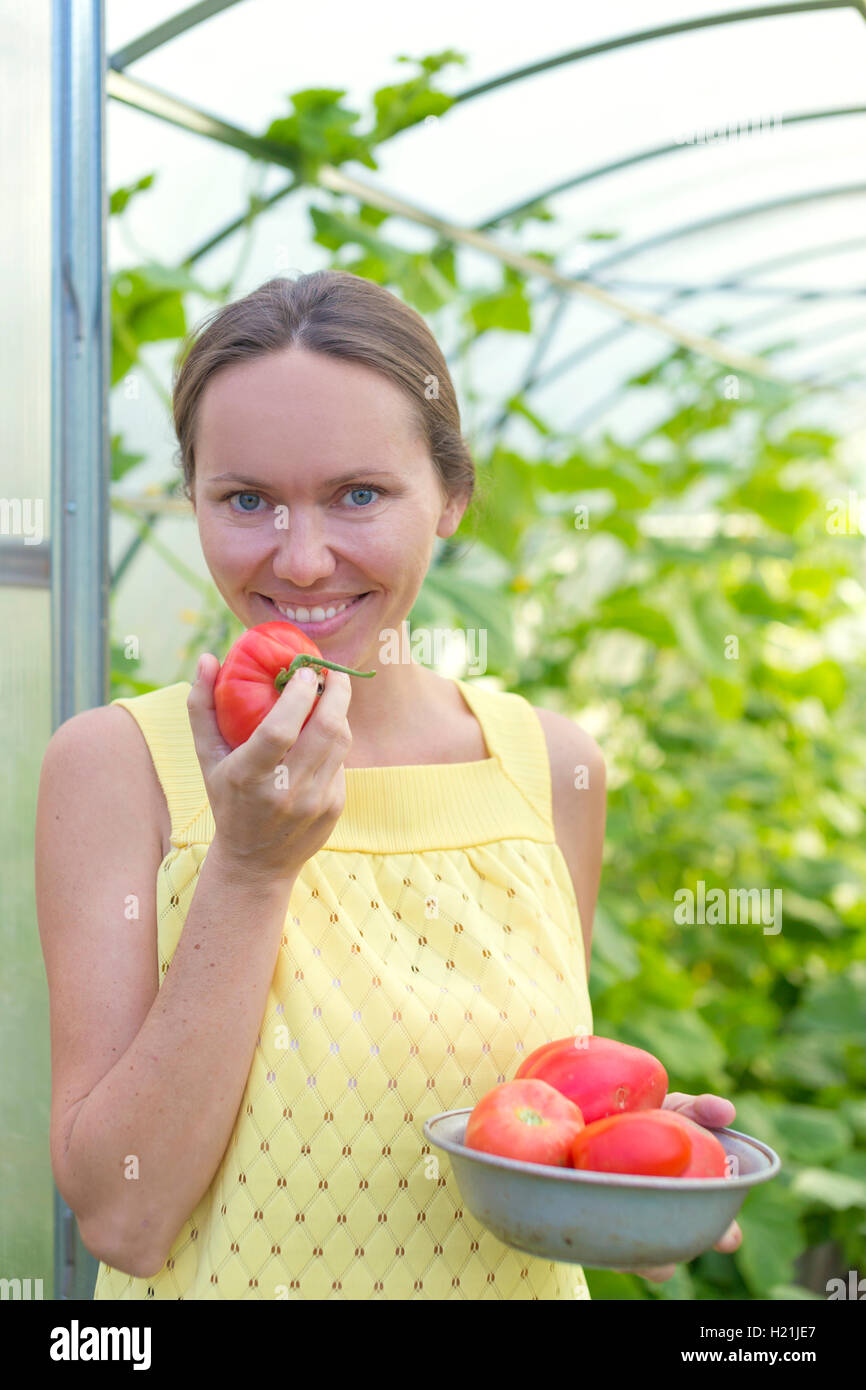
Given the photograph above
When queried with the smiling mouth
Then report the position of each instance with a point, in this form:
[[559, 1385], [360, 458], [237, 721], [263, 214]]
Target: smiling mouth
[[324, 625]]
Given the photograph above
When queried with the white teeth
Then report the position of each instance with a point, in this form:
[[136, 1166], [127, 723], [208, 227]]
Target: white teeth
[[308, 615]]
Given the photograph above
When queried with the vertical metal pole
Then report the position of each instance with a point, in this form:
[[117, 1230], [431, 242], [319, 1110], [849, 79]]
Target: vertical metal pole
[[80, 444]]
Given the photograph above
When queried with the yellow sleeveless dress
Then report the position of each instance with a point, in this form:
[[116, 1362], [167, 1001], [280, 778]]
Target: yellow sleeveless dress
[[429, 946]]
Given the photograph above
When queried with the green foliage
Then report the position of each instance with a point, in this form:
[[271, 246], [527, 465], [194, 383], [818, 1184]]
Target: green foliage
[[720, 667]]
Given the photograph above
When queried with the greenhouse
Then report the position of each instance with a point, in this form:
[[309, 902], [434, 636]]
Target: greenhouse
[[635, 232]]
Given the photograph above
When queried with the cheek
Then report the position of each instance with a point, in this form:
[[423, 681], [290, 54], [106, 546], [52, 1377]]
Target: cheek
[[229, 547]]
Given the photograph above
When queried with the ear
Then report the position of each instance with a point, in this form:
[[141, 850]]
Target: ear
[[452, 515]]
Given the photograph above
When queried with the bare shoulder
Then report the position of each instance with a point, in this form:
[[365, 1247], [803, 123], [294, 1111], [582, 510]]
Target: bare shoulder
[[579, 796], [566, 739], [107, 736]]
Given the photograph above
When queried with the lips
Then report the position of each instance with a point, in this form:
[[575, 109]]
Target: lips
[[323, 628]]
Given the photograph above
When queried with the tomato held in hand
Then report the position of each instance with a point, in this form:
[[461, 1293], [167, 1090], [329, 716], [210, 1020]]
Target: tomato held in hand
[[255, 671], [526, 1120], [603, 1077], [637, 1141]]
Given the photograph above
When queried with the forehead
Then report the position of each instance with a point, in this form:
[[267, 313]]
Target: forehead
[[307, 395]]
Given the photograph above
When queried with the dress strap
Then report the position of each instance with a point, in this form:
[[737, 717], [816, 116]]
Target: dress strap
[[163, 718], [513, 734]]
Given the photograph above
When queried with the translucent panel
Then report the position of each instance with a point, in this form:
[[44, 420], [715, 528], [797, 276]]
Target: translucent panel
[[26, 1183], [25, 284], [25, 1078]]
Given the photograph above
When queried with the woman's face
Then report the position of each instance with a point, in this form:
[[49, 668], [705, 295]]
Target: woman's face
[[332, 496]]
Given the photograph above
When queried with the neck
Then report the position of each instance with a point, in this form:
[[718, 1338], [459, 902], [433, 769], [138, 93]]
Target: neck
[[388, 709]]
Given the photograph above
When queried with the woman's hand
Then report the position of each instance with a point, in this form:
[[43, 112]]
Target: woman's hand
[[713, 1112]]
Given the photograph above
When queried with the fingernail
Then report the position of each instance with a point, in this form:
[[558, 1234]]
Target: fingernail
[[198, 670], [307, 675]]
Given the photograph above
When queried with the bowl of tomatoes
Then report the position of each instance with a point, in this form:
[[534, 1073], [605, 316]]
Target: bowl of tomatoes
[[577, 1161]]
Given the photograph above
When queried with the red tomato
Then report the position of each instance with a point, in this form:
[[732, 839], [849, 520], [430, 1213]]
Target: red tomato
[[529, 1062], [601, 1076], [526, 1120], [708, 1159], [636, 1141], [247, 685]]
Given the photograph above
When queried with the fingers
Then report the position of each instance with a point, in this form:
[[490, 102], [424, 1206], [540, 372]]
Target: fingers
[[657, 1273], [209, 742], [711, 1111], [731, 1240], [280, 730]]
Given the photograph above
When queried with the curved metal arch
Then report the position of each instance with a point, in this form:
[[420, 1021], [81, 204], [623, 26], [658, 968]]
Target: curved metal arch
[[619, 330], [196, 14], [232, 135], [515, 209], [593, 50], [719, 219], [656, 152], [831, 366], [738, 287], [604, 403], [169, 29], [757, 268]]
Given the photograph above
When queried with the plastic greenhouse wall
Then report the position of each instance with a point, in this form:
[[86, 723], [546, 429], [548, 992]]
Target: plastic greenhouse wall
[[26, 1229]]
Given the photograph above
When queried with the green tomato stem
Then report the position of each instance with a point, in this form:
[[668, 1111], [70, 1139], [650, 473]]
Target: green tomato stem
[[305, 659], [528, 1116]]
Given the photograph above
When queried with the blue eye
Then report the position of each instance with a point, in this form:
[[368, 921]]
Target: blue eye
[[362, 487], [359, 487], [243, 494]]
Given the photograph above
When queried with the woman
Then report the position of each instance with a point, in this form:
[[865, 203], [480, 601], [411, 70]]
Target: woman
[[264, 994]]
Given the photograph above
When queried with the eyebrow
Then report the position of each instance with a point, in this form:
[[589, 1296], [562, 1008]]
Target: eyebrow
[[329, 482]]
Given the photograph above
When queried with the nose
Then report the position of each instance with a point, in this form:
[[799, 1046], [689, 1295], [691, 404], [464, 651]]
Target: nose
[[302, 554]]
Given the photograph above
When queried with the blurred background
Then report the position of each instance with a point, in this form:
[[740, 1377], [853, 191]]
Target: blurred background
[[637, 232]]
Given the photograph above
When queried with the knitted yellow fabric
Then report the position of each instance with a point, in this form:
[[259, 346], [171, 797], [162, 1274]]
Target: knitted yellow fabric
[[429, 946]]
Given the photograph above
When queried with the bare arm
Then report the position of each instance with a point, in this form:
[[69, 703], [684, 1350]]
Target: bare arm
[[156, 1074], [580, 812], [590, 807]]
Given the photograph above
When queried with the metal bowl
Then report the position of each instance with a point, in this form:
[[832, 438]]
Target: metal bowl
[[604, 1220]]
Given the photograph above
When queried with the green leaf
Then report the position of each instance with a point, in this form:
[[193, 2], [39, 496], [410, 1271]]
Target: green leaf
[[404, 104], [729, 697], [772, 1239], [511, 505], [517, 406], [319, 132], [147, 306], [835, 1190], [782, 1292], [836, 1004], [612, 947], [853, 1110], [703, 633], [121, 460], [811, 1135], [810, 1060], [781, 509], [507, 309], [336, 228], [625, 610], [535, 212], [684, 1044], [122, 197]]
